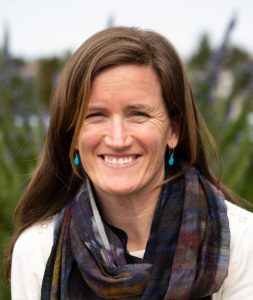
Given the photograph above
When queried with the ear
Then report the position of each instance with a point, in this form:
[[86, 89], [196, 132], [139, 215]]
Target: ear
[[174, 133], [76, 143]]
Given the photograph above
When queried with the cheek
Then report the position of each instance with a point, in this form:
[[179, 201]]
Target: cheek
[[86, 146], [86, 150], [154, 136], [88, 139], [155, 147]]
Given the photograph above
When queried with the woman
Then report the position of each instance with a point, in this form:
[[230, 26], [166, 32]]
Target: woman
[[122, 204]]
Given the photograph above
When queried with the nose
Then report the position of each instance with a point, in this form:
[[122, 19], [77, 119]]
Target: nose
[[118, 136]]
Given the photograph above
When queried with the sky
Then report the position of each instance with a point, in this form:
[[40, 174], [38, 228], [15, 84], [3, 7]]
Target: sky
[[40, 28]]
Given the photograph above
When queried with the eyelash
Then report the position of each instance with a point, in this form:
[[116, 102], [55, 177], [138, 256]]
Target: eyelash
[[140, 114], [133, 114], [98, 114]]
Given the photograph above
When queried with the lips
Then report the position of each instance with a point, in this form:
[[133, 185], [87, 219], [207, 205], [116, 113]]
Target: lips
[[119, 160]]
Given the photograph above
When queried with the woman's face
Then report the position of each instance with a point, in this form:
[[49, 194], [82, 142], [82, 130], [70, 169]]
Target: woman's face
[[123, 138]]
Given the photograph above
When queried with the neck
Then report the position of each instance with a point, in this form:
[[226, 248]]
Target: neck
[[134, 215]]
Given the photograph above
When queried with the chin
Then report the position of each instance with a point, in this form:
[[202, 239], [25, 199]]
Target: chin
[[120, 190]]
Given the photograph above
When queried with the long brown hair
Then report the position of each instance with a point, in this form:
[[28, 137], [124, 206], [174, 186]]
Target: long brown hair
[[56, 179]]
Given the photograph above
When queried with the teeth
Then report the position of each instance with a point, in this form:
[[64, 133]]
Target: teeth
[[118, 161]]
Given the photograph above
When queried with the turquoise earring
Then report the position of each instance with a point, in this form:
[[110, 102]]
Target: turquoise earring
[[76, 160], [171, 158]]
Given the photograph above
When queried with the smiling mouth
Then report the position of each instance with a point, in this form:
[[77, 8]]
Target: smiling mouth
[[119, 161]]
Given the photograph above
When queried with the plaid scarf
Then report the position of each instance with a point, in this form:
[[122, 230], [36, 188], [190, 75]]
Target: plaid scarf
[[186, 256]]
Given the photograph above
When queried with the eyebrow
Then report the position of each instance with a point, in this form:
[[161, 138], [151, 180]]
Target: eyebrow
[[139, 106], [128, 107], [96, 107]]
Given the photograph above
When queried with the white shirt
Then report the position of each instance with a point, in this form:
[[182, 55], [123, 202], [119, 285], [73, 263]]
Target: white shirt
[[33, 247]]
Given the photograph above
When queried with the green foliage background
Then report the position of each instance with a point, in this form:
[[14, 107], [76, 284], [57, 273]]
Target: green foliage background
[[24, 115]]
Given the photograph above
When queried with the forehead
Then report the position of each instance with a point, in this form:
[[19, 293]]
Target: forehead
[[130, 82]]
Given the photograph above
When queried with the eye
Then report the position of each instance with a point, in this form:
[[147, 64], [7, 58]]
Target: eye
[[140, 114], [94, 115]]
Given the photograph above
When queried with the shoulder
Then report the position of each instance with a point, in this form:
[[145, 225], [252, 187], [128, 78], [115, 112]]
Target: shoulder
[[241, 228], [239, 282], [239, 215], [241, 232], [29, 259], [37, 237]]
